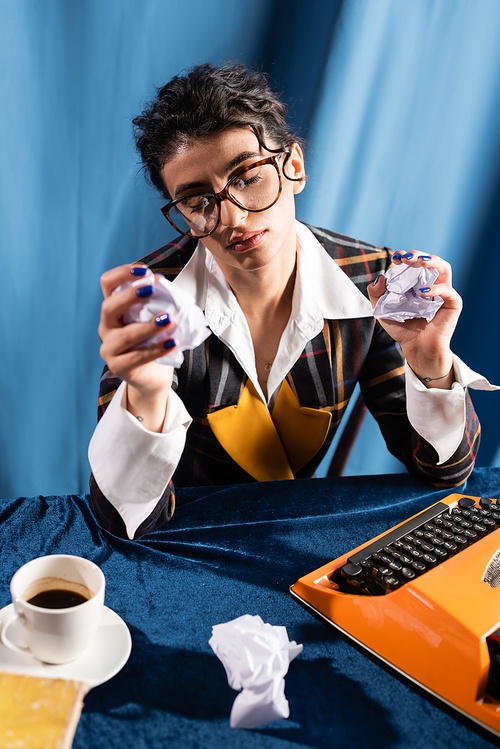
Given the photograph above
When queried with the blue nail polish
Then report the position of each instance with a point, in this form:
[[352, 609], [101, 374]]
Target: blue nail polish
[[396, 256], [408, 256], [145, 291], [139, 270], [425, 289], [424, 257], [171, 343], [163, 320]]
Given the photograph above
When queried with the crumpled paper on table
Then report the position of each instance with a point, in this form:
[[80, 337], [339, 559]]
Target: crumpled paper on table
[[402, 301], [256, 657], [189, 324]]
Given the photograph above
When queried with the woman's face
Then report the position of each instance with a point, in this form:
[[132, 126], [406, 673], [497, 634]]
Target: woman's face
[[243, 241]]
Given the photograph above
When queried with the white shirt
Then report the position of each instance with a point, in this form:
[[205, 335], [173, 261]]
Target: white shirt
[[132, 466]]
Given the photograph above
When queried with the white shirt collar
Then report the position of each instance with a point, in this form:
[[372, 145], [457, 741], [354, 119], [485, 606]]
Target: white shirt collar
[[322, 291]]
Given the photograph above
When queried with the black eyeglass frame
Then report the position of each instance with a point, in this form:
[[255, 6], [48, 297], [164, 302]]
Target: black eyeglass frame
[[224, 194]]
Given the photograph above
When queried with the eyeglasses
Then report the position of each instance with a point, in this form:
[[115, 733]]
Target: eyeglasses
[[254, 188]]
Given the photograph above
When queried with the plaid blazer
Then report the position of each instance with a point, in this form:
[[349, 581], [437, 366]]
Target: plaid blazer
[[323, 378]]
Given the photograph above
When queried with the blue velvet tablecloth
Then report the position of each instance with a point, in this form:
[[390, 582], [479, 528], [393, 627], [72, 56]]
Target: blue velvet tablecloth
[[231, 551]]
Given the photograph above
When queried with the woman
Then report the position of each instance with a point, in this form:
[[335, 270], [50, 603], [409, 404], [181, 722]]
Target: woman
[[292, 329]]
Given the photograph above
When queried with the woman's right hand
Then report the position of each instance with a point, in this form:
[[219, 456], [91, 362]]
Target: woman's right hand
[[148, 383]]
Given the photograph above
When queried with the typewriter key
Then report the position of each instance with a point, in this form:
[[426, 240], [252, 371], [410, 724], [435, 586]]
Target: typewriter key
[[350, 578], [384, 571], [480, 528], [471, 535], [390, 582], [408, 574], [447, 536], [429, 559], [419, 566], [404, 559], [351, 572], [466, 502], [386, 558], [440, 553], [369, 572]]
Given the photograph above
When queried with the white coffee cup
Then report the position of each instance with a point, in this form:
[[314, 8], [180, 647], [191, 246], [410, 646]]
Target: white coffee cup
[[62, 634]]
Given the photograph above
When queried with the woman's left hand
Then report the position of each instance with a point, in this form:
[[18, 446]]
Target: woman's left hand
[[426, 345]]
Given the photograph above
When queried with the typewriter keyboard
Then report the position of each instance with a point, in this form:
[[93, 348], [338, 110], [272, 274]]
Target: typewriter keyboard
[[417, 546]]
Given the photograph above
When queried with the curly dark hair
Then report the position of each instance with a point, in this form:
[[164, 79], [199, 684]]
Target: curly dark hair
[[208, 100]]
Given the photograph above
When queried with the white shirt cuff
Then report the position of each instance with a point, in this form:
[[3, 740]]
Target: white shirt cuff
[[439, 415], [131, 465]]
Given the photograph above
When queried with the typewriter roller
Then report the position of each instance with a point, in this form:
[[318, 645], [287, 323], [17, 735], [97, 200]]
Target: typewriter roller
[[424, 598]]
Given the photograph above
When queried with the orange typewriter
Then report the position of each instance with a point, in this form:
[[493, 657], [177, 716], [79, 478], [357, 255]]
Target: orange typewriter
[[424, 598]]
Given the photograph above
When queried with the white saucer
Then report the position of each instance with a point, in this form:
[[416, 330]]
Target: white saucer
[[106, 656]]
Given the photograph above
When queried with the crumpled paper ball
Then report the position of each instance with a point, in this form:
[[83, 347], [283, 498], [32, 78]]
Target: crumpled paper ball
[[401, 300], [189, 328], [255, 657]]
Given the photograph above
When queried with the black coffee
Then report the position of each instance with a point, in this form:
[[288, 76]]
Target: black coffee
[[57, 599]]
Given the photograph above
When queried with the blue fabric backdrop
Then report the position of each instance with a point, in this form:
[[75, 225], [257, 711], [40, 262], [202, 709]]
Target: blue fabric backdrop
[[399, 99]]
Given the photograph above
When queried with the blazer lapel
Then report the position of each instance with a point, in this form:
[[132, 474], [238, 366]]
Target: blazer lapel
[[267, 447], [311, 377], [246, 431], [302, 430]]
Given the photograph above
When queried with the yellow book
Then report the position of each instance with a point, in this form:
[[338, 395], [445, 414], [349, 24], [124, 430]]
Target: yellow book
[[39, 713]]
